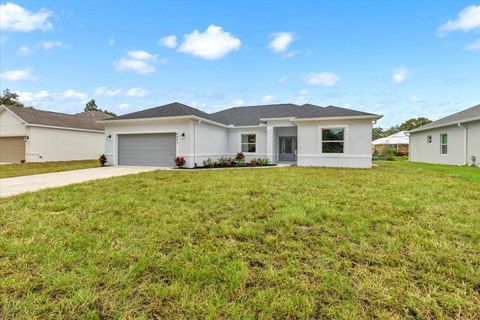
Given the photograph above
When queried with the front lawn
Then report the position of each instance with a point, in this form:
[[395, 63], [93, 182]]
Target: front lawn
[[393, 242], [26, 169]]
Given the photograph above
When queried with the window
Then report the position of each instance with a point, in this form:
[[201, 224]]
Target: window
[[332, 140], [429, 139], [444, 143], [248, 143]]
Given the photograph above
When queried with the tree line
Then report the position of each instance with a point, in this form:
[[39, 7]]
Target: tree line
[[407, 125]]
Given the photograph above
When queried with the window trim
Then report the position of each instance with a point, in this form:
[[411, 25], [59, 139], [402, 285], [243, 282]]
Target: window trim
[[429, 139], [345, 136], [241, 143], [442, 144]]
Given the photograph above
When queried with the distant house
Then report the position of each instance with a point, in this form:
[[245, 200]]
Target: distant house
[[398, 141], [454, 139], [306, 135], [31, 135]]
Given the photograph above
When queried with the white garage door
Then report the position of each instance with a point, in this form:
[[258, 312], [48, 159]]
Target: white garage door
[[153, 149]]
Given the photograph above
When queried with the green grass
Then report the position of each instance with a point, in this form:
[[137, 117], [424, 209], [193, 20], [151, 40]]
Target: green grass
[[464, 172], [26, 169], [394, 242]]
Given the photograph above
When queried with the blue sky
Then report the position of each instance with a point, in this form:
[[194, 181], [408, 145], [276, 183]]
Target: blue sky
[[401, 59]]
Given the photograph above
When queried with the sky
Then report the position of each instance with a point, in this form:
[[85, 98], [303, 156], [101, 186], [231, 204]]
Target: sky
[[401, 59]]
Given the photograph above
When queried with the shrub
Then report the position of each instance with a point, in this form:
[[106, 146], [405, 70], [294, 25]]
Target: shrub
[[391, 154], [241, 163], [263, 161], [225, 162], [253, 162], [102, 160], [208, 163], [240, 156], [179, 161]]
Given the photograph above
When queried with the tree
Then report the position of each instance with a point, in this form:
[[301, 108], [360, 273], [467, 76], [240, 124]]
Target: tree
[[413, 123], [377, 133], [10, 98], [92, 106]]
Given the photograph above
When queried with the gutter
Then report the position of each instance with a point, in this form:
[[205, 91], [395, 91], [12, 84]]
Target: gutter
[[373, 117]]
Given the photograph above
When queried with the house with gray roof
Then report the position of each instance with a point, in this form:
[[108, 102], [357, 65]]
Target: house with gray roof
[[306, 135], [32, 135], [454, 139]]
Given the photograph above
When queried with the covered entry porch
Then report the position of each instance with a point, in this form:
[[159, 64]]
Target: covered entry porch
[[282, 144]]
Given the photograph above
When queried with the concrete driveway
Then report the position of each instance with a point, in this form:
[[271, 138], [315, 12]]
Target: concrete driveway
[[17, 185]]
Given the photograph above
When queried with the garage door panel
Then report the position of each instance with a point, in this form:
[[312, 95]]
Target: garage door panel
[[12, 149], [157, 149]]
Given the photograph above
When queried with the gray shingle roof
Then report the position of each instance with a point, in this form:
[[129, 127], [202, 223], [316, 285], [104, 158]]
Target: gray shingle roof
[[461, 116], [84, 120], [244, 116]]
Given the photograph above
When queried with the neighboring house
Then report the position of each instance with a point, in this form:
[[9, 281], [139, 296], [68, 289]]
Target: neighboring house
[[451, 140], [31, 135], [306, 135], [397, 141]]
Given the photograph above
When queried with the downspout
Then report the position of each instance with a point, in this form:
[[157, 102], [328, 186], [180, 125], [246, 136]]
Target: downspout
[[465, 145], [194, 143]]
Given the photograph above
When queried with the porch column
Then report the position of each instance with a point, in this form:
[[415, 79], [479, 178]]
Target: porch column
[[270, 138]]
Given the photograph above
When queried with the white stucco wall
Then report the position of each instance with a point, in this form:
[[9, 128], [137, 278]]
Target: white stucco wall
[[234, 142], [11, 126], [421, 151], [48, 144], [211, 142], [357, 144], [473, 142]]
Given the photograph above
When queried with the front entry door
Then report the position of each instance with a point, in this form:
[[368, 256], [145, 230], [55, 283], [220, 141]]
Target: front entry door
[[287, 150]]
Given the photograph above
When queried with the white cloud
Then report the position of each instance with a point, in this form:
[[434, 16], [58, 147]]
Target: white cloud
[[47, 45], [474, 46], [301, 99], [212, 44], [123, 106], [139, 61], [136, 92], [326, 79], [142, 55], [17, 18], [46, 99], [303, 92], [138, 66], [168, 41], [111, 41], [24, 51], [238, 102], [467, 19], [132, 92], [283, 79], [267, 98], [414, 99], [400, 74], [17, 75], [280, 41]]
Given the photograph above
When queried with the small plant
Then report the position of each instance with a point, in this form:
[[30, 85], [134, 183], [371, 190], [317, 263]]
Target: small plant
[[253, 162], [240, 156], [263, 161], [225, 162], [208, 163], [241, 163], [474, 161], [179, 162], [102, 160], [391, 154]]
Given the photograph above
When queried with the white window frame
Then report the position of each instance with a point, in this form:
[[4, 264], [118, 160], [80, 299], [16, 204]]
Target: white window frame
[[345, 131], [442, 144], [429, 139], [247, 143]]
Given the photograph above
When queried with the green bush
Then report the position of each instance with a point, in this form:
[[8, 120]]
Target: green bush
[[263, 161], [391, 153], [208, 163], [241, 163], [225, 162]]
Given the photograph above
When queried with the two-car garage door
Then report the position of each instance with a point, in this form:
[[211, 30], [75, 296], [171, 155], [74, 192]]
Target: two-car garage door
[[153, 149]]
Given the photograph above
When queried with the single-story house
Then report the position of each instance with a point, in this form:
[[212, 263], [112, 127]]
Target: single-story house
[[305, 135], [454, 139], [398, 141], [31, 135]]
